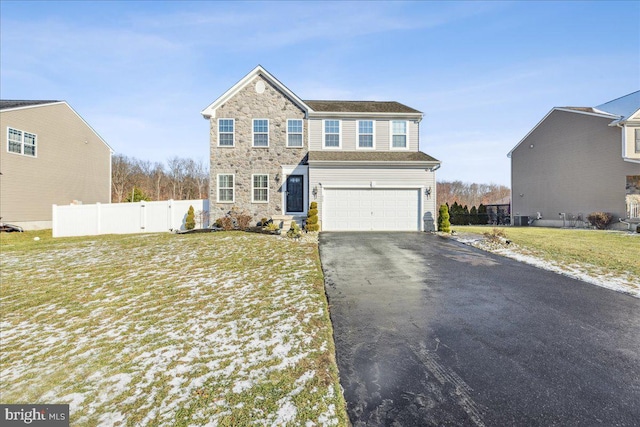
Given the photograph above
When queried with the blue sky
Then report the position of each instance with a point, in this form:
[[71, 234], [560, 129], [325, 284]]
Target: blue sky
[[484, 73]]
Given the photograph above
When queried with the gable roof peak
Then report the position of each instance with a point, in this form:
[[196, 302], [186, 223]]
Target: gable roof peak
[[259, 70]]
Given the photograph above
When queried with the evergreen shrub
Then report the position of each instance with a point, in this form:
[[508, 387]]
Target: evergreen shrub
[[190, 221], [443, 219]]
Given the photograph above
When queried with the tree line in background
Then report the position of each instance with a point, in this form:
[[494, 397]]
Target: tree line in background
[[470, 194], [134, 180]]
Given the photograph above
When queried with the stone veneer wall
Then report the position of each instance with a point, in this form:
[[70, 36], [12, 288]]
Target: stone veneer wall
[[243, 159]]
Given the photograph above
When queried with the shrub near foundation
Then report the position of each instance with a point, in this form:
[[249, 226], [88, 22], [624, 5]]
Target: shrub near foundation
[[312, 218], [600, 220], [443, 219]]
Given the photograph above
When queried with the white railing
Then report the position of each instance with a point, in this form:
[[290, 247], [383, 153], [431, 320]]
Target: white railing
[[633, 210], [123, 218]]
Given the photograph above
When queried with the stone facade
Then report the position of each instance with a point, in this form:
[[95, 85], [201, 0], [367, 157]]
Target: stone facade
[[255, 101]]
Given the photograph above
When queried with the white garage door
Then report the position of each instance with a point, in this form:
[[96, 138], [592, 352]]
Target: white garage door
[[371, 210]]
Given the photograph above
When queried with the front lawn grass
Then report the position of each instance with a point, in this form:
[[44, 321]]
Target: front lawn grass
[[160, 329], [600, 251]]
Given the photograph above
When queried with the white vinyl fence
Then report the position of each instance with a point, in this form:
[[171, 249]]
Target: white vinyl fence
[[125, 218]]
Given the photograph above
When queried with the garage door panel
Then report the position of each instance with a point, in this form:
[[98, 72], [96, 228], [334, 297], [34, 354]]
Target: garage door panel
[[371, 209]]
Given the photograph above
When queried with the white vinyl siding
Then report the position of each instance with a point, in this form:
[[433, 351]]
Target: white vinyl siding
[[295, 133], [331, 134], [21, 142], [259, 188], [260, 132], [399, 134], [226, 189], [366, 134], [226, 132]]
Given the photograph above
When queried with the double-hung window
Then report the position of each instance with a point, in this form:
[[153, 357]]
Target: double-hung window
[[399, 134], [637, 140], [332, 133], [294, 133], [365, 134], [260, 188], [20, 142], [226, 193], [260, 132], [226, 132]]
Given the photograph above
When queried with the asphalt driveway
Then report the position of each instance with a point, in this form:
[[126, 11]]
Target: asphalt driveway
[[429, 331]]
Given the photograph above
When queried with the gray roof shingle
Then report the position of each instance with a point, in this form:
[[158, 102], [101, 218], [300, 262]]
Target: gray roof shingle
[[370, 156], [361, 107], [6, 104]]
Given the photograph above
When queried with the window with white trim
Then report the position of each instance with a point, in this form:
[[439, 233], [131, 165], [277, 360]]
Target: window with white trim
[[20, 142], [365, 133], [637, 140], [294, 133], [226, 129], [332, 133], [399, 134], [260, 132], [226, 193], [260, 188]]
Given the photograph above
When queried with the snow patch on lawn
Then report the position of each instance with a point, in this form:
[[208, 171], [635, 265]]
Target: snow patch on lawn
[[626, 285], [154, 339]]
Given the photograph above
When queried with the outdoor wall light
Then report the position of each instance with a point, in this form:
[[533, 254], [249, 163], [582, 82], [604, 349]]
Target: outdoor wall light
[[277, 177], [315, 191], [427, 192]]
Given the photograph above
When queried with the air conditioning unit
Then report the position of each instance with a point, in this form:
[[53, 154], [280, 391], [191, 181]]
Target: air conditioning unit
[[521, 221]]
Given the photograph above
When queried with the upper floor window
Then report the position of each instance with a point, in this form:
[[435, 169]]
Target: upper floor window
[[226, 132], [637, 140], [332, 133], [260, 132], [294, 133], [20, 142], [398, 134], [260, 188], [226, 193], [365, 134]]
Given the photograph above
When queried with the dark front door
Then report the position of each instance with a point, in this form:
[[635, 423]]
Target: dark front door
[[295, 199]]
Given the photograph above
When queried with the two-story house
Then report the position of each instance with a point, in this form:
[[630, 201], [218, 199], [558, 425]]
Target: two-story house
[[273, 153], [579, 160], [50, 155]]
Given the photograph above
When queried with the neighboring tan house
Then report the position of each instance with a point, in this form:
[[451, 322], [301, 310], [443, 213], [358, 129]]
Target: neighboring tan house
[[273, 153], [579, 160], [49, 155]]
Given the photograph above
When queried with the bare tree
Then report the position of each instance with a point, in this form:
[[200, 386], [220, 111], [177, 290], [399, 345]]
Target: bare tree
[[121, 174], [180, 179], [176, 174], [470, 194]]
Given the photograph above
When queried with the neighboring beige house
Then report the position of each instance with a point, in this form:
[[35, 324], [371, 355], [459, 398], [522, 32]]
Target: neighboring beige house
[[579, 160], [49, 155], [273, 153]]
